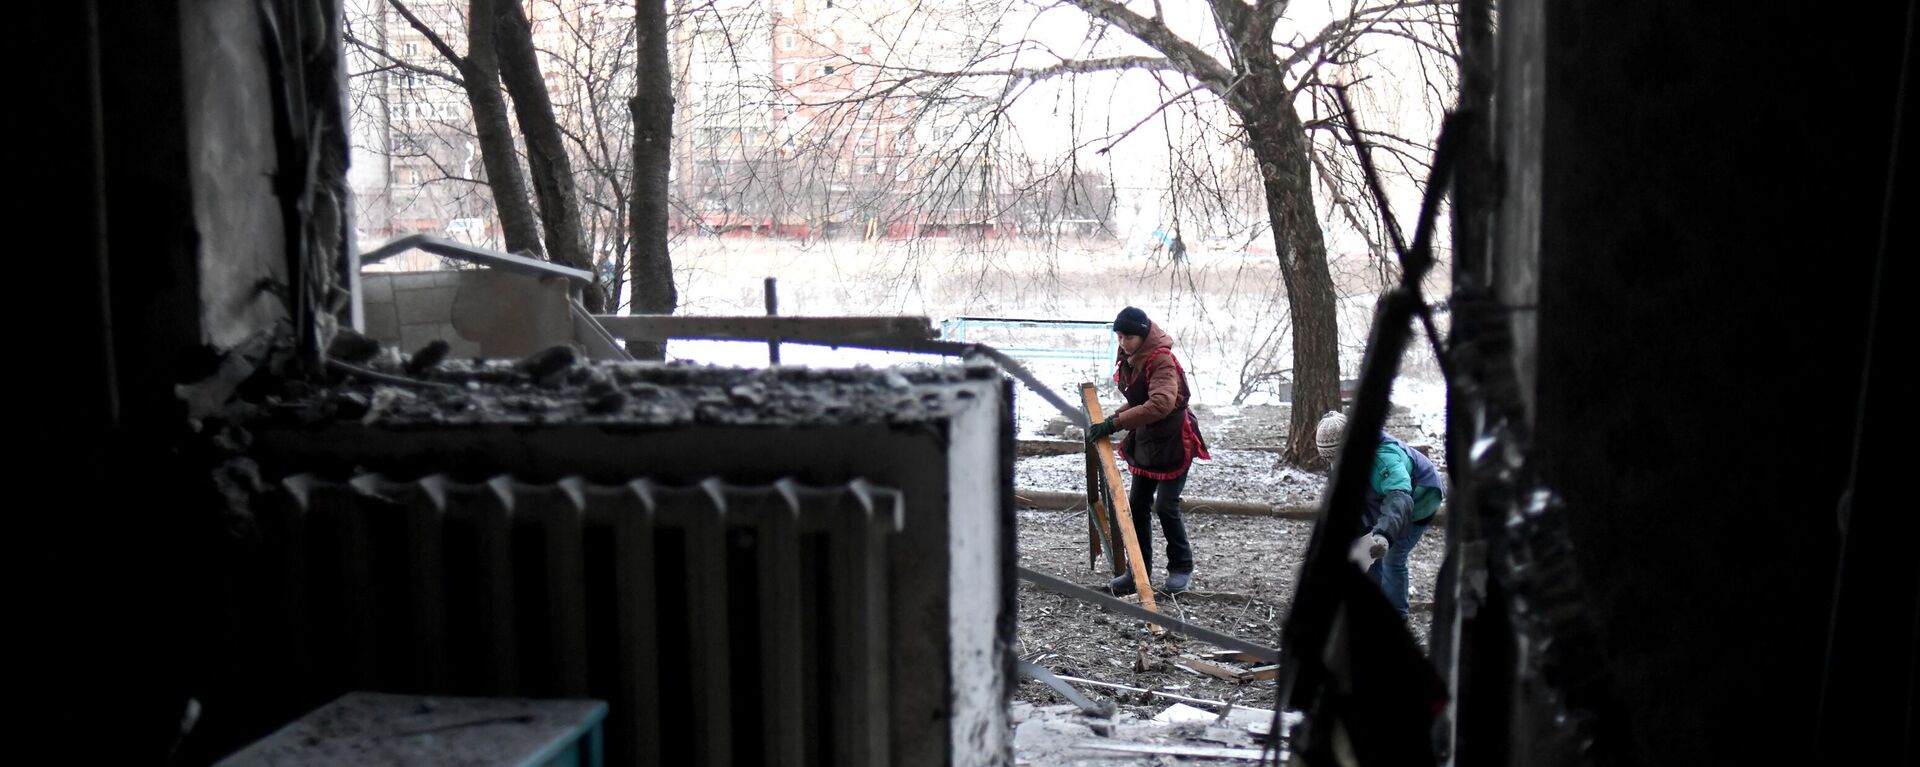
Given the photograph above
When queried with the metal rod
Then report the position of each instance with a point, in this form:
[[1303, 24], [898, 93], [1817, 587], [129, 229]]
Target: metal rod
[[1092, 597], [1040, 674]]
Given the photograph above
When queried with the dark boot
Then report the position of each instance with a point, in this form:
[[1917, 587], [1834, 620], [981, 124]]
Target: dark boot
[[1178, 582]]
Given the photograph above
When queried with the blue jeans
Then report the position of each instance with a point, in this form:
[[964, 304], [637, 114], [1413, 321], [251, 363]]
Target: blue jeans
[[1391, 570]]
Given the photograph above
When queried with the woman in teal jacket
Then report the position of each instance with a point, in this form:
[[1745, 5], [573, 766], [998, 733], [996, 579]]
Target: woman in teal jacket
[[1404, 492]]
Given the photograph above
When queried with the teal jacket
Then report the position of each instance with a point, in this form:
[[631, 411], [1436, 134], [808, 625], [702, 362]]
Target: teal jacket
[[1398, 467]]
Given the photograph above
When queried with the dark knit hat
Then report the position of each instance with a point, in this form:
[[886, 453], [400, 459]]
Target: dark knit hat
[[1132, 322]]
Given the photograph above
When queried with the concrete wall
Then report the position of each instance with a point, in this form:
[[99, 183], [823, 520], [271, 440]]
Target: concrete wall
[[157, 178], [479, 312], [193, 229], [232, 159]]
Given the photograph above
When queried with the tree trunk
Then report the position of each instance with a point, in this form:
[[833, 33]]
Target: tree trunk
[[1280, 145], [547, 161], [652, 108], [481, 72]]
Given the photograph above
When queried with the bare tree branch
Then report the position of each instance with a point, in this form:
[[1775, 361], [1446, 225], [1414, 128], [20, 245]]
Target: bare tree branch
[[420, 26], [1185, 55], [1343, 29], [395, 62]]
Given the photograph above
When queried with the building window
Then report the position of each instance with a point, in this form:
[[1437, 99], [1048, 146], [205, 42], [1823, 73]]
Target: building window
[[786, 41], [827, 69]]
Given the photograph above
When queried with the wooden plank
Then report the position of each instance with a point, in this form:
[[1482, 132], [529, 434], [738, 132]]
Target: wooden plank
[[1122, 516], [1116, 554], [773, 310], [1260, 673], [1027, 448], [660, 327], [1097, 528], [1230, 656], [1221, 672], [1093, 536]]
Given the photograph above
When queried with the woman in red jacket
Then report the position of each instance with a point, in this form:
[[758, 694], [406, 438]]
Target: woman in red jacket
[[1161, 443]]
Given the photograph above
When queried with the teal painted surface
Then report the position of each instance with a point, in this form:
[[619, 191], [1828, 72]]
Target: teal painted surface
[[580, 747]]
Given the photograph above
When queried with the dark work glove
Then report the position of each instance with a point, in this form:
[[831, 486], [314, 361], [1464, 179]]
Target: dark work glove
[[1396, 512], [1102, 429]]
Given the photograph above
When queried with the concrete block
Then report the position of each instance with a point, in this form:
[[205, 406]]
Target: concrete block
[[376, 288], [383, 322], [429, 305], [511, 315], [415, 280]]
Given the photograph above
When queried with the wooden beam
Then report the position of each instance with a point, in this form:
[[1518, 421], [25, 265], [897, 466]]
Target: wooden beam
[[1097, 528], [661, 327], [1122, 516], [1230, 674], [1231, 656]]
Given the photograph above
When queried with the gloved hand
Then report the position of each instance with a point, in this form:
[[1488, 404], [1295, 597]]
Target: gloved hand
[[1366, 549], [1396, 510], [1101, 429]]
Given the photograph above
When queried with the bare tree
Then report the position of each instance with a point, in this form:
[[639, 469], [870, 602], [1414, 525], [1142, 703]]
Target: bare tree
[[479, 77], [652, 111], [1253, 81], [500, 50], [894, 122], [1238, 66], [593, 79], [547, 158]]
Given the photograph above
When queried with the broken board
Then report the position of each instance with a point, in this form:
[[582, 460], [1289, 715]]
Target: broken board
[[1238, 676], [1122, 516]]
